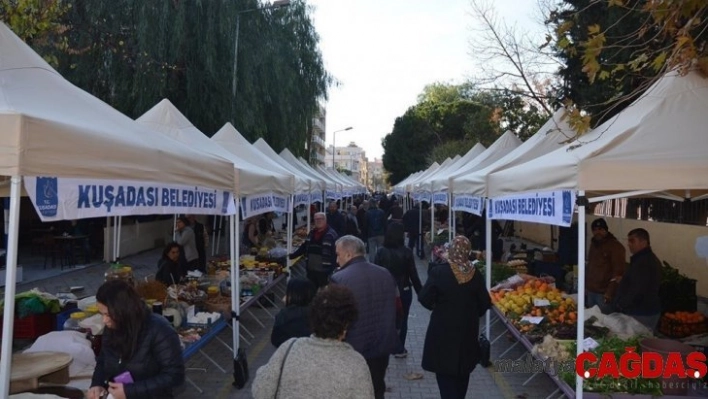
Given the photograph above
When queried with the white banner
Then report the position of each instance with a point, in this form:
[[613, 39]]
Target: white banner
[[469, 204], [261, 203], [316, 197], [61, 198], [440, 198], [422, 197], [548, 207], [301, 199], [331, 195]]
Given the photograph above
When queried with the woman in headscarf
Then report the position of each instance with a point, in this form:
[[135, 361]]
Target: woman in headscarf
[[458, 298]]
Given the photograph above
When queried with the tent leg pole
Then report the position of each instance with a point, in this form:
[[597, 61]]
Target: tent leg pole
[[10, 281], [581, 285], [488, 266]]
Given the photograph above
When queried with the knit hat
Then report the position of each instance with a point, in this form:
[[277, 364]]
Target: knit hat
[[459, 259], [599, 224]]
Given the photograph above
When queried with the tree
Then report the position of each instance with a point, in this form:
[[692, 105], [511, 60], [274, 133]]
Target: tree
[[448, 120], [511, 62], [615, 49], [132, 54], [37, 22]]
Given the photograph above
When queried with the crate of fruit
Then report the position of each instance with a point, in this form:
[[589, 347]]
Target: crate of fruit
[[682, 324]]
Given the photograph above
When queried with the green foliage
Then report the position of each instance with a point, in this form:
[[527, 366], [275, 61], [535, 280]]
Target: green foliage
[[448, 120], [449, 149], [37, 22], [132, 54]]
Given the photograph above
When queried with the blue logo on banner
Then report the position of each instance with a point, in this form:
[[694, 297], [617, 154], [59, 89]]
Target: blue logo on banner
[[47, 196], [225, 204], [490, 209], [567, 207]]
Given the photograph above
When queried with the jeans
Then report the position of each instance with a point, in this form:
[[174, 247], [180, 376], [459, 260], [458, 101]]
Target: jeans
[[377, 368], [406, 300], [374, 244], [452, 386]]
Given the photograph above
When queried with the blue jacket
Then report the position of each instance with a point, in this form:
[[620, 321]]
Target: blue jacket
[[374, 333]]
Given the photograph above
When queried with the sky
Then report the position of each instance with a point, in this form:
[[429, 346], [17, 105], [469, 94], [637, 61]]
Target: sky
[[384, 52]]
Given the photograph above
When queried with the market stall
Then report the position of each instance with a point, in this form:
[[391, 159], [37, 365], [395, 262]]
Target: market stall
[[52, 128], [629, 155]]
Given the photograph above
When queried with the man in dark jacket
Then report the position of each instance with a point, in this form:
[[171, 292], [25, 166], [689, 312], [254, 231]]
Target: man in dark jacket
[[374, 333], [606, 263], [335, 219], [638, 292], [319, 251], [375, 228]]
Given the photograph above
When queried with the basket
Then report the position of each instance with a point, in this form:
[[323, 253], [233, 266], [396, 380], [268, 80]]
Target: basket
[[33, 326], [679, 329], [224, 308]]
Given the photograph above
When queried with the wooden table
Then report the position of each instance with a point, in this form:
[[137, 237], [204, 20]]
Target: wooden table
[[29, 369]]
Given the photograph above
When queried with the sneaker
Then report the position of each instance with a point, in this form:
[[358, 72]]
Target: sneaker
[[401, 355]]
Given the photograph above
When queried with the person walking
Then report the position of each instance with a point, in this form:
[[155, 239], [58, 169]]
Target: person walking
[[399, 261], [376, 227], [457, 296], [295, 370], [374, 333]]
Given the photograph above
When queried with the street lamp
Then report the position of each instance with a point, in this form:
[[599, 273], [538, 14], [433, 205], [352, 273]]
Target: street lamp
[[334, 136], [276, 4]]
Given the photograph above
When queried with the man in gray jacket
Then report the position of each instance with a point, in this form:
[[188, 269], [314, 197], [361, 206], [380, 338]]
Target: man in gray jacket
[[374, 333]]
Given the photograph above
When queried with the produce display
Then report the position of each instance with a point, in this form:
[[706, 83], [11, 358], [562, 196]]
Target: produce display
[[682, 324]]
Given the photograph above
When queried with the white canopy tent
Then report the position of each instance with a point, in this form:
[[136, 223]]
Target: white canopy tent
[[657, 144], [249, 179], [229, 138], [330, 184], [500, 148], [317, 183], [52, 128], [549, 137], [662, 131]]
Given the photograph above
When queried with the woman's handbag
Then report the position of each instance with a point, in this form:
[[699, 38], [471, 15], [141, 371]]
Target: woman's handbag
[[282, 365]]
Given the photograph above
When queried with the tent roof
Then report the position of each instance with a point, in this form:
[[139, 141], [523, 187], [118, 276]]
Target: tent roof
[[229, 138], [657, 143], [501, 147], [317, 182], [52, 128], [548, 138], [447, 168], [249, 179], [330, 184]]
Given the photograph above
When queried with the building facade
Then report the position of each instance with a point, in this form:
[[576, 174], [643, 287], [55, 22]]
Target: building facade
[[318, 148], [352, 159], [377, 179]]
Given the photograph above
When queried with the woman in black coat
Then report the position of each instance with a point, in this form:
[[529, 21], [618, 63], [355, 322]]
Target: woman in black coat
[[138, 342], [458, 298], [398, 259], [292, 321]]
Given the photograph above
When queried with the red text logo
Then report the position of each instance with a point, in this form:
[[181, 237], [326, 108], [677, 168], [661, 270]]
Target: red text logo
[[646, 365]]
